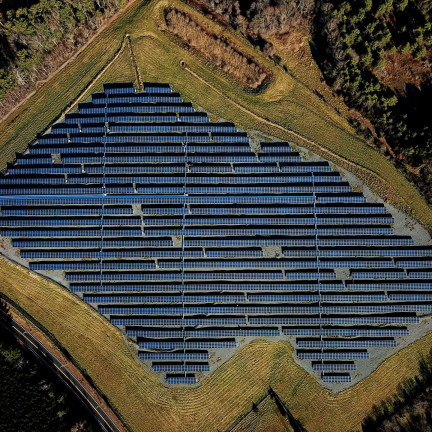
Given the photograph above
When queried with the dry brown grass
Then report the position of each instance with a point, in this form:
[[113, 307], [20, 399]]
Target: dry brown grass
[[266, 417], [402, 69], [215, 49]]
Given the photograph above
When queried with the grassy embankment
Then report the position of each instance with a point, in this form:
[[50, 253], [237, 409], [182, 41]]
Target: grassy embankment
[[99, 348]]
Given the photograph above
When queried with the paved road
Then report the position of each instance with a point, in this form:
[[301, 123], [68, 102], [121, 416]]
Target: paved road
[[40, 351]]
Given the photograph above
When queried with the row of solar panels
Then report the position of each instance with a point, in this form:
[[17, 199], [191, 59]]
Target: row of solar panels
[[296, 324], [421, 251], [49, 166], [323, 230], [188, 221], [211, 275], [151, 117], [124, 126], [160, 137], [170, 199], [291, 331], [296, 297], [161, 147], [104, 99], [171, 190], [276, 209], [266, 310], [245, 275], [161, 179], [332, 343], [256, 298], [127, 148], [112, 158], [141, 97], [383, 266], [190, 344], [253, 241], [301, 285], [303, 354], [181, 108], [122, 88], [201, 320]]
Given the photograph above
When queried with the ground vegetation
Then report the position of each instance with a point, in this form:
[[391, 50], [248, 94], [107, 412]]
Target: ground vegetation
[[219, 51]]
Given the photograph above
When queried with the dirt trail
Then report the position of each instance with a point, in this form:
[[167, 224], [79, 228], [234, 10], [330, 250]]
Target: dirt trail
[[135, 63]]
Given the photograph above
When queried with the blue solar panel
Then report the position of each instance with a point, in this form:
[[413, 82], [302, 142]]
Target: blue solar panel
[[179, 322], [354, 343], [300, 309], [99, 99], [335, 378], [203, 333], [181, 367], [31, 180], [69, 222], [173, 356], [135, 253], [94, 243], [180, 276], [165, 298], [353, 331], [71, 233], [326, 366], [181, 379], [351, 320], [91, 265], [143, 107], [315, 355], [178, 127], [193, 287], [389, 285], [145, 199], [423, 274], [62, 211]]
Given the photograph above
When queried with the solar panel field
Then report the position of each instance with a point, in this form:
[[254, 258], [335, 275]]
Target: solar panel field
[[228, 266], [193, 242]]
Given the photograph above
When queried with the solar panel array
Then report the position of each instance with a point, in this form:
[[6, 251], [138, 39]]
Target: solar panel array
[[189, 241]]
